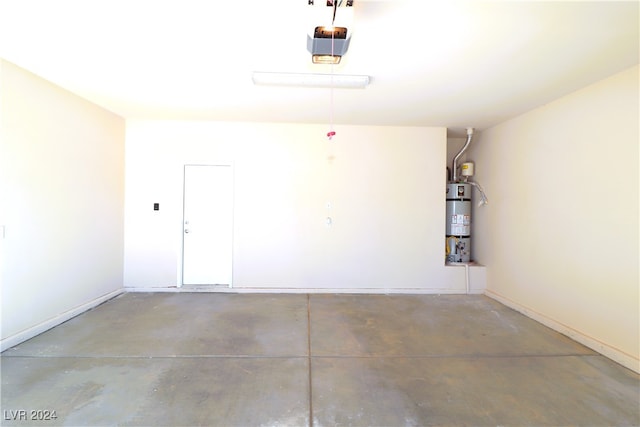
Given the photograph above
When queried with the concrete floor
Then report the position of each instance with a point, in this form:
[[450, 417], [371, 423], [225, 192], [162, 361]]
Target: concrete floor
[[311, 360]]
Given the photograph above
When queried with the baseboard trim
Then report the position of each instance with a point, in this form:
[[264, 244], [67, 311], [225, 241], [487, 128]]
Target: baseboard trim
[[246, 290], [619, 356], [29, 333]]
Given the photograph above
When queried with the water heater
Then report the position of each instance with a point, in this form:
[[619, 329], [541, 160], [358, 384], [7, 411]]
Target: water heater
[[458, 233]]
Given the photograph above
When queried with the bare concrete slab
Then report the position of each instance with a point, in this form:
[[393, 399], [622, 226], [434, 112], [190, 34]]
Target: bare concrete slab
[[157, 391], [428, 325], [212, 359], [483, 391], [181, 324]]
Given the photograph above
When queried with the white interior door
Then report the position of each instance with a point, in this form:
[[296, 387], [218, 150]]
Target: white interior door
[[208, 225]]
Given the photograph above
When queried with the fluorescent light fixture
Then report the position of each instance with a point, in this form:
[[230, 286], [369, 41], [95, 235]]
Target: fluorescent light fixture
[[348, 81]]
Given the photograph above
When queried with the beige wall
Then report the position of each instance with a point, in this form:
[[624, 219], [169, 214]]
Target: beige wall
[[385, 186], [560, 235], [62, 196]]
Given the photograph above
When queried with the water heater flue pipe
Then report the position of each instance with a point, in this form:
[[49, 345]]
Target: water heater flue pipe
[[454, 168]]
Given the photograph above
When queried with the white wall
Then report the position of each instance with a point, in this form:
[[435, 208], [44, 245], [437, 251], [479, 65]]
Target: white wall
[[62, 201], [385, 186], [560, 234]]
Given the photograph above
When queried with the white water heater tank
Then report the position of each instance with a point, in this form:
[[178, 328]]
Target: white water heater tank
[[458, 233]]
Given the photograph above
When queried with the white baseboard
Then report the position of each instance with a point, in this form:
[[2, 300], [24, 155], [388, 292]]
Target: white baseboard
[[22, 336], [246, 290], [625, 359]]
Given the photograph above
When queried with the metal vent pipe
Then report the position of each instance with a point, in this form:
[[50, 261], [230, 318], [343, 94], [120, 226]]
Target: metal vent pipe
[[454, 168]]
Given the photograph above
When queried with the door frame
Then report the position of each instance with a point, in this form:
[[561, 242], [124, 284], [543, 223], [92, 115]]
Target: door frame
[[180, 278]]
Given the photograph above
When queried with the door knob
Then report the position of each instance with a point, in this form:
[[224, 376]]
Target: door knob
[[186, 230]]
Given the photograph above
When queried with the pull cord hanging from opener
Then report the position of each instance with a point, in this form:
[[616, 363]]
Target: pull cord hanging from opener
[[332, 132]]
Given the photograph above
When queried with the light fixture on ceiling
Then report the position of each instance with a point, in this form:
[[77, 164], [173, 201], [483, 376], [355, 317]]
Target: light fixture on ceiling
[[347, 81]]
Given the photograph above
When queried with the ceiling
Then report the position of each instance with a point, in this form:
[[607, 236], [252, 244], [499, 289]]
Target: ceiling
[[446, 63]]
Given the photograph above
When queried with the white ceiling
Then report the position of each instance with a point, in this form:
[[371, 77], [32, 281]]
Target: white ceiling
[[432, 63]]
